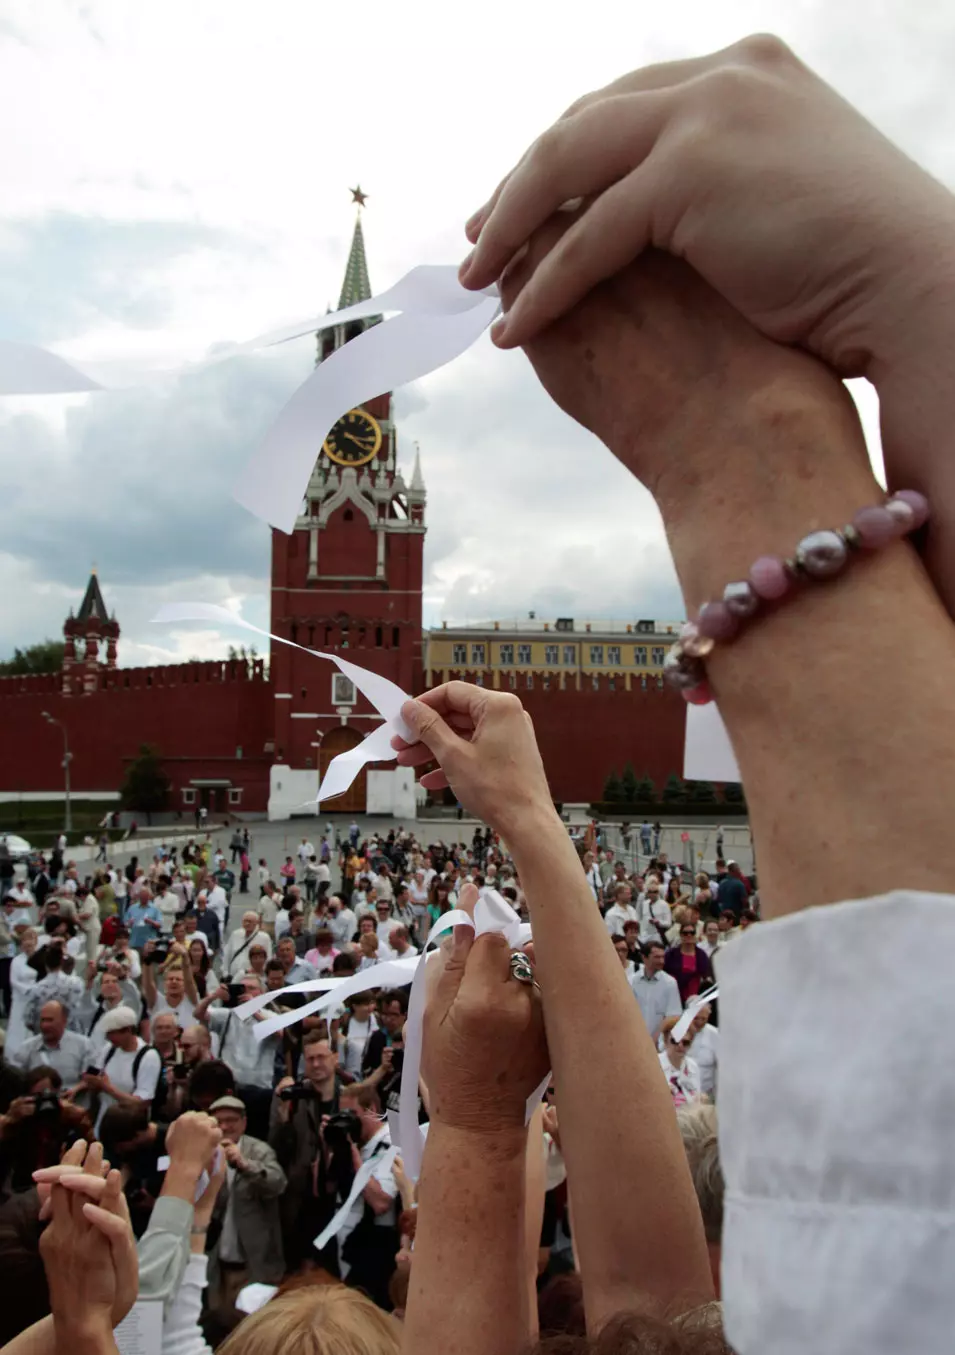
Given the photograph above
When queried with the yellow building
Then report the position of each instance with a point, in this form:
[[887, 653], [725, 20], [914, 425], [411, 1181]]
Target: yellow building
[[563, 652]]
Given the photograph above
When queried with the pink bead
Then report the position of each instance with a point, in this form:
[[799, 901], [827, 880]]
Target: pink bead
[[902, 514], [717, 621], [918, 504], [876, 527], [768, 577], [700, 695]]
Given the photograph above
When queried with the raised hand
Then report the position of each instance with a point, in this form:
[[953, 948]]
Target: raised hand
[[89, 1254]]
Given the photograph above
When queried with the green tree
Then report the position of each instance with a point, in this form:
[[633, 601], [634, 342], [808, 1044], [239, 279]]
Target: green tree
[[646, 789], [613, 790], [46, 657], [702, 792], [674, 791], [629, 784], [733, 793], [146, 785]]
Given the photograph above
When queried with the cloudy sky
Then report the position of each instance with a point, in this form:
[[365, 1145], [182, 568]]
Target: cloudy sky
[[175, 174]]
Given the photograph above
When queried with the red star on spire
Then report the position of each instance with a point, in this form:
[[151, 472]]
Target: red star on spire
[[358, 196]]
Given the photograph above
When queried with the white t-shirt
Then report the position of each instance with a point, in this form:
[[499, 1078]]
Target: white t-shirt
[[385, 1177], [305, 850], [704, 1052], [118, 1066], [353, 1044], [219, 903], [342, 926], [183, 1013], [267, 908]]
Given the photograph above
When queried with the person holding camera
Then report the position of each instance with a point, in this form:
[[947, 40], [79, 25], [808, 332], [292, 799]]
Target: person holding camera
[[368, 1240], [128, 1075], [178, 993], [251, 1060], [35, 1128], [299, 1112], [55, 984]]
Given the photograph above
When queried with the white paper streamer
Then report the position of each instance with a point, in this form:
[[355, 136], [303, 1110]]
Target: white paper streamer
[[385, 695], [708, 753], [694, 1006], [439, 320], [373, 1167], [255, 1296]]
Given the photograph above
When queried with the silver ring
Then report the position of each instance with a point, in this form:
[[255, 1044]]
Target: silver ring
[[521, 967]]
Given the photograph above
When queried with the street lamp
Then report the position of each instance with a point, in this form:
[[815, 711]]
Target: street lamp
[[67, 755]]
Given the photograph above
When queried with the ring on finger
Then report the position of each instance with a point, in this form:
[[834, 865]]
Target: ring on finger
[[521, 968]]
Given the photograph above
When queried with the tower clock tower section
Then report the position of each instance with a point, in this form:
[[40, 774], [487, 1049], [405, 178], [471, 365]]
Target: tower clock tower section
[[348, 579]]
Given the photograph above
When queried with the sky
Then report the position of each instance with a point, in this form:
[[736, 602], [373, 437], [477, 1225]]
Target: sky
[[176, 174]]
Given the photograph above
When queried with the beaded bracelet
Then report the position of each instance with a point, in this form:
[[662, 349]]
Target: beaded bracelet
[[820, 555]]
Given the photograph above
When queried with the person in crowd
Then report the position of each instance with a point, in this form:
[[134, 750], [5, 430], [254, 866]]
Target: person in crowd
[[129, 1070], [169, 903], [622, 909], [68, 1052], [655, 915], [733, 891], [712, 940], [399, 943], [196, 1045], [623, 951], [218, 898], [143, 918], [207, 921], [327, 1319], [688, 963], [297, 934], [681, 1071], [105, 995], [23, 977], [295, 1132], [705, 1048], [321, 957], [341, 921], [235, 960], [175, 989], [727, 924], [251, 1060], [55, 985], [368, 1240], [200, 962], [249, 1246], [357, 1026], [296, 969], [657, 992]]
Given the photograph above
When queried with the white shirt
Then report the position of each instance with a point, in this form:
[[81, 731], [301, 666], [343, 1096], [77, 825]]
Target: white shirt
[[236, 961], [658, 997], [353, 1043], [169, 904], [385, 1178], [705, 1051], [251, 1060], [342, 926], [183, 1013], [685, 1080], [219, 904], [118, 1066], [616, 916], [21, 894], [305, 850], [264, 877], [268, 909]]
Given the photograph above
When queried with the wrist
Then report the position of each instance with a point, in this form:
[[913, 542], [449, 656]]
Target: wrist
[[502, 1142], [181, 1179], [525, 829]]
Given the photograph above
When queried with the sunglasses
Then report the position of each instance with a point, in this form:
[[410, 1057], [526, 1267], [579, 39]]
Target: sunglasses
[[680, 1044], [688, 933]]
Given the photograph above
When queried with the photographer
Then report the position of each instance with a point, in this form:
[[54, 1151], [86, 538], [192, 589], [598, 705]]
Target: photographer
[[178, 994], [36, 1127], [113, 993], [295, 1132], [382, 1060], [368, 1241], [251, 1060]]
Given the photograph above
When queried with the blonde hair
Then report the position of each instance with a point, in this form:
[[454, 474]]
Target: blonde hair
[[316, 1319], [698, 1128]]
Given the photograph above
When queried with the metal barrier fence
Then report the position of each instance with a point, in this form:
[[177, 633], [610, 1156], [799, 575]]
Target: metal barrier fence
[[693, 845]]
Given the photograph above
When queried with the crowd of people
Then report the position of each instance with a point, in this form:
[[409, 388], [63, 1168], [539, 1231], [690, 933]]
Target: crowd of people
[[570, 1083]]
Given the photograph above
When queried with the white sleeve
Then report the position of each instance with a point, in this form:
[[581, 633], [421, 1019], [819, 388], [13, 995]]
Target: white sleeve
[[181, 1334], [839, 1228], [674, 1004], [147, 1077]]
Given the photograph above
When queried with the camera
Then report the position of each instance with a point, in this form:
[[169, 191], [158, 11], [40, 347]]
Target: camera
[[180, 1072], [341, 1128], [46, 1104], [299, 1091], [159, 954], [236, 995], [92, 1071]]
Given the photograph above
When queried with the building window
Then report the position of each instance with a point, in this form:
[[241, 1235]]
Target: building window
[[613, 656], [235, 795], [523, 653], [595, 682], [479, 680], [459, 655], [507, 654], [612, 683], [640, 656], [343, 690], [529, 681], [570, 654], [657, 655], [645, 627], [477, 654], [597, 655], [512, 682], [550, 653], [188, 795], [564, 623], [545, 682]]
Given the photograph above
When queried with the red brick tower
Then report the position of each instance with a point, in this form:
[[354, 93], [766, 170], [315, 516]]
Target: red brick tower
[[90, 627], [348, 578]]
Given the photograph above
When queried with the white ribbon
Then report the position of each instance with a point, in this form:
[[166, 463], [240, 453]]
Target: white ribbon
[[693, 1007], [439, 320], [386, 696], [255, 1296], [363, 1175], [492, 913]]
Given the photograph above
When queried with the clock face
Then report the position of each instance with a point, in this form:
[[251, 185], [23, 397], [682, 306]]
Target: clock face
[[354, 440]]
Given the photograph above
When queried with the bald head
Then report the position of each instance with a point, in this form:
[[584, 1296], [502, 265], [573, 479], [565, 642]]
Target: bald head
[[53, 1018]]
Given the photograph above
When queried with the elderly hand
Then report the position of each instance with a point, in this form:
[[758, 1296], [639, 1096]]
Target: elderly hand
[[192, 1139], [89, 1253], [779, 193], [484, 1050], [482, 740]]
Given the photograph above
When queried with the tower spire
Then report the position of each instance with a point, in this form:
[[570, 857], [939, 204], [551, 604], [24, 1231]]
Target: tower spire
[[356, 286]]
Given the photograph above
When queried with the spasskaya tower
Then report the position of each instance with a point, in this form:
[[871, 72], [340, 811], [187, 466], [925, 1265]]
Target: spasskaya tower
[[347, 580]]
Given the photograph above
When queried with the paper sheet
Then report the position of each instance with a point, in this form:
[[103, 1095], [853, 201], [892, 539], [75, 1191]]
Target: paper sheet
[[708, 754], [373, 1167], [385, 695], [692, 1007], [140, 1332]]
